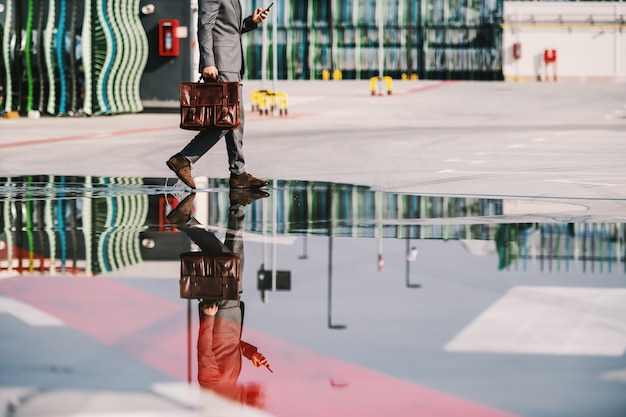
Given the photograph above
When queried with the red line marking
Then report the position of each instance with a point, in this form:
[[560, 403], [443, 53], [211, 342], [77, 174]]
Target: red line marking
[[255, 116], [424, 88], [82, 137], [98, 135], [251, 115]]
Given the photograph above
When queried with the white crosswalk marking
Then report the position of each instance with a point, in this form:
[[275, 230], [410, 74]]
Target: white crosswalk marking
[[27, 313], [549, 321]]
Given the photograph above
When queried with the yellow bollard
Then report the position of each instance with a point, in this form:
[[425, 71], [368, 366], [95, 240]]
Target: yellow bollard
[[389, 82], [265, 101], [261, 102], [282, 103], [271, 100], [254, 99], [374, 82]]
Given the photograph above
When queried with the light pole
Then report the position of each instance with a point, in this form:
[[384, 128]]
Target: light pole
[[331, 325], [411, 253], [305, 249], [381, 51], [330, 219]]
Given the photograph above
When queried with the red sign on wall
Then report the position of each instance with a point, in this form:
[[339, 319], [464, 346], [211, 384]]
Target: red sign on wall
[[168, 39], [549, 55]]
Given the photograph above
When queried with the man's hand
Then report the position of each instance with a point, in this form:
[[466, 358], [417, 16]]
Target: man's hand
[[210, 310], [258, 360], [210, 72], [259, 15]]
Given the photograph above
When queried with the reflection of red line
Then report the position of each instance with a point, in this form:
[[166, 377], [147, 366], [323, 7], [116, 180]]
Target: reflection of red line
[[82, 137], [308, 384], [26, 262], [305, 383]]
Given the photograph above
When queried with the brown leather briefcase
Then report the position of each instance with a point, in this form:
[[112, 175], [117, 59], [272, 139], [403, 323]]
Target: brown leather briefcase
[[206, 105], [207, 277]]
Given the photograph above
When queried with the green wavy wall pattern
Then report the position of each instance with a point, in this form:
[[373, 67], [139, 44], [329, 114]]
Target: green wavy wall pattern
[[72, 57]]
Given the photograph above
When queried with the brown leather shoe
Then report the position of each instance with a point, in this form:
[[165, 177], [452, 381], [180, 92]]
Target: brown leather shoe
[[245, 197], [182, 169], [246, 180], [182, 213]]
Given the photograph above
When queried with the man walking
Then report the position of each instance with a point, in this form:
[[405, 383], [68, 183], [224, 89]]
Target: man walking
[[220, 26]]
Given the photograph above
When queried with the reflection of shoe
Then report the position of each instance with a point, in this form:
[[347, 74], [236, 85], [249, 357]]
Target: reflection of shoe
[[245, 197], [182, 169], [246, 180], [182, 213]]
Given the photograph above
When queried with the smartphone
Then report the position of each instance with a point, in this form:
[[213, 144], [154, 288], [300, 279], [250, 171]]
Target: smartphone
[[269, 7]]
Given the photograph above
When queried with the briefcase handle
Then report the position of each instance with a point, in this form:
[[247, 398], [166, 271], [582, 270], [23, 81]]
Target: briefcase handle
[[202, 79], [205, 80]]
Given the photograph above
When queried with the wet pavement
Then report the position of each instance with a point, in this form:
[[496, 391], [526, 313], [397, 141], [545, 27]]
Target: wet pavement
[[463, 260]]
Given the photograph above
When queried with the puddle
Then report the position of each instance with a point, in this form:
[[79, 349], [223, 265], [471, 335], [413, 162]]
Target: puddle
[[353, 295]]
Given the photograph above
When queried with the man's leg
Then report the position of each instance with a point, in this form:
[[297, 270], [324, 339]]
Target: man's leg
[[198, 146], [206, 240], [201, 144], [234, 144], [239, 178], [234, 234]]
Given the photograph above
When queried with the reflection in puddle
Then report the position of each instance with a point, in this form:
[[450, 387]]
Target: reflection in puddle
[[94, 225], [362, 295]]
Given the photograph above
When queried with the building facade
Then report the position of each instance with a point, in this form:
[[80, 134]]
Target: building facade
[[91, 57]]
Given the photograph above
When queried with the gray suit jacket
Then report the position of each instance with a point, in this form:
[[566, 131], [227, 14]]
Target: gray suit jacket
[[220, 26]]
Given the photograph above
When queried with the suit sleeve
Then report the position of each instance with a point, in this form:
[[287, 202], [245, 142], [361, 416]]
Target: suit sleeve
[[247, 349], [207, 14], [248, 25], [208, 369]]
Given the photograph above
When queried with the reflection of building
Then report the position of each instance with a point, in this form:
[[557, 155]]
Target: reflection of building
[[358, 211], [555, 247], [77, 225], [99, 224]]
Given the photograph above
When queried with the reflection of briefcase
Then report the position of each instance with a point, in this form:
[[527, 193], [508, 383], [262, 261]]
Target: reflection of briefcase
[[203, 276], [209, 105]]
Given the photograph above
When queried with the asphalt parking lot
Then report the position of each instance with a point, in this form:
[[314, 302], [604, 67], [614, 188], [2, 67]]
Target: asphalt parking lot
[[547, 154]]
